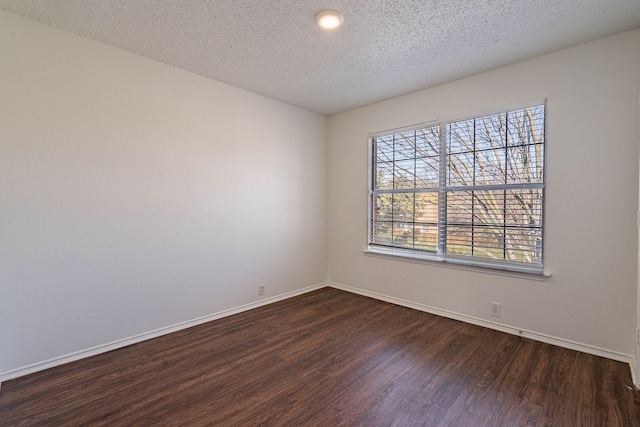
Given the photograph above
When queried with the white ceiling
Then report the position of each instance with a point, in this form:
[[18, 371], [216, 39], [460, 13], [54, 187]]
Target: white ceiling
[[384, 49]]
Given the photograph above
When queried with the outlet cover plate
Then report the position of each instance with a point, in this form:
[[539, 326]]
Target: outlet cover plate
[[495, 309]]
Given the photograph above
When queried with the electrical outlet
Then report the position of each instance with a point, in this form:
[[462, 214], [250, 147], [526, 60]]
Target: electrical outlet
[[261, 289], [638, 336], [495, 309]]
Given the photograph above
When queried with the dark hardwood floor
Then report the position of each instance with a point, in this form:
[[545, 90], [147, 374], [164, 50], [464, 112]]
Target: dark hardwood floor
[[328, 358]]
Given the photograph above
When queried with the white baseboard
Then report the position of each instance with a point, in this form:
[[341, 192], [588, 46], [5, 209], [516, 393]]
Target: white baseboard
[[634, 373], [82, 354], [560, 342]]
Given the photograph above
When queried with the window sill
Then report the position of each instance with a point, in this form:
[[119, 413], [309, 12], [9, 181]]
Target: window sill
[[454, 263]]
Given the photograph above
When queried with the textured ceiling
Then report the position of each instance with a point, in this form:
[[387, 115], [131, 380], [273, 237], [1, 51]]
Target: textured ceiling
[[384, 49]]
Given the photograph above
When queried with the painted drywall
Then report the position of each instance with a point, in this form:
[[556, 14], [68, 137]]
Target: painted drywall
[[134, 195], [590, 204]]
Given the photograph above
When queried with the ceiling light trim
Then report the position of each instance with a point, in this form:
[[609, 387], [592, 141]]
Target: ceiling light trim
[[329, 19]]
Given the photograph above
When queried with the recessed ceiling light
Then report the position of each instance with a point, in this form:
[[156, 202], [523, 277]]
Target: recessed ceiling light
[[329, 19]]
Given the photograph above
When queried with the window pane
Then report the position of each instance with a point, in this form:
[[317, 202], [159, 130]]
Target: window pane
[[426, 218], [497, 224], [460, 136], [459, 208], [384, 149], [427, 172], [382, 207], [384, 176], [524, 245], [403, 234], [405, 146], [381, 233], [524, 225], [475, 223], [427, 207], [404, 174], [525, 164], [406, 220], [428, 142], [472, 207], [426, 237], [459, 240], [403, 207], [488, 241], [490, 166], [491, 132], [460, 169], [525, 126], [488, 207], [382, 219], [523, 208]]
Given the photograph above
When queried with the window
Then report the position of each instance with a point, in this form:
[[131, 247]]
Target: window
[[466, 191]]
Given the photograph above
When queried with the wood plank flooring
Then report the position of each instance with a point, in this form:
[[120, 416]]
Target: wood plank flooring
[[328, 358]]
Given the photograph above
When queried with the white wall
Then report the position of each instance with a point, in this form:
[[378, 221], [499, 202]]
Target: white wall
[[134, 195], [591, 198]]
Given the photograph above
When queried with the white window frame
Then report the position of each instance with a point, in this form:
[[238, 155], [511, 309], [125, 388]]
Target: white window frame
[[440, 254]]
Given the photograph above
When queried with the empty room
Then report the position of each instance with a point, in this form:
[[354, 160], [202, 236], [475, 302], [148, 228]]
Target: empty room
[[304, 213]]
